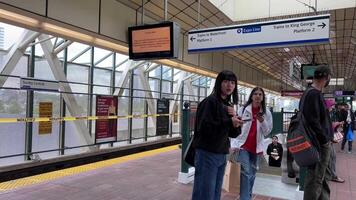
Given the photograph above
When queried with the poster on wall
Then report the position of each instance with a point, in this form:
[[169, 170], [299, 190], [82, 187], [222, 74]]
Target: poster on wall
[[45, 110], [106, 129], [162, 126]]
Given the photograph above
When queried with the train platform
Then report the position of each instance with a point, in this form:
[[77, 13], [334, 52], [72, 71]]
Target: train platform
[[151, 175]]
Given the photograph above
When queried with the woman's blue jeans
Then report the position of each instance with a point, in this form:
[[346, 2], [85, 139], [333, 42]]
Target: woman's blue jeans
[[248, 163], [209, 174]]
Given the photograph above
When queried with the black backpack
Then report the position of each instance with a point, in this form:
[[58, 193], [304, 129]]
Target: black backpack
[[305, 153]]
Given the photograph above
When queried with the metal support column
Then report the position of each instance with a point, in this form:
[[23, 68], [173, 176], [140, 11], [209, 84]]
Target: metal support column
[[62, 107], [29, 107], [131, 92], [90, 90], [186, 175]]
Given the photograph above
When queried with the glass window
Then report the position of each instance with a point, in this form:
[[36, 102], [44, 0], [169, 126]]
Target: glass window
[[102, 77], [11, 34], [156, 73], [154, 85], [79, 53], [166, 73], [43, 70], [107, 62], [77, 73], [12, 105], [19, 70], [120, 61], [47, 141], [137, 123]]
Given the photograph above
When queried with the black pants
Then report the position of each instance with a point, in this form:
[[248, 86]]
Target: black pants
[[316, 180], [344, 142]]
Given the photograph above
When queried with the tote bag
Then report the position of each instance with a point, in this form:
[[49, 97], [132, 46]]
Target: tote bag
[[231, 182], [350, 134], [338, 136]]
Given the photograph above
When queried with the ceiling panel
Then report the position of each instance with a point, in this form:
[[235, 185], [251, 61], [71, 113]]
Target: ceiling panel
[[339, 53]]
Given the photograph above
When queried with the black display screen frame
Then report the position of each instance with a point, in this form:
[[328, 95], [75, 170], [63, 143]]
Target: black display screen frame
[[155, 54]]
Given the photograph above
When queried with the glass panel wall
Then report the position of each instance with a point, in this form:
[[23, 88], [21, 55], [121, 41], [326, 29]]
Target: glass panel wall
[[89, 72]]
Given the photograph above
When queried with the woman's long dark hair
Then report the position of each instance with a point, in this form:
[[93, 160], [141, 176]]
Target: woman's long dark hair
[[230, 76], [263, 103]]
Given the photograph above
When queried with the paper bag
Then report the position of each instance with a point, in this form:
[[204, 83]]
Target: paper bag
[[231, 182]]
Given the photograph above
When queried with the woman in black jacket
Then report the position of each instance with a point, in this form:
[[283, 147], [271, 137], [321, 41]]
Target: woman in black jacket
[[216, 121]]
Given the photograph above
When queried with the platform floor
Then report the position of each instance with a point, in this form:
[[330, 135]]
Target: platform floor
[[153, 176]]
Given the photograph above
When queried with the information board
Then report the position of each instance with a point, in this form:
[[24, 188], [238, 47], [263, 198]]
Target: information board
[[45, 110], [162, 126]]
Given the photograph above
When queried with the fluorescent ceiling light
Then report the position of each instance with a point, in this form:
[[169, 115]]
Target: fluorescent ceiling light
[[337, 81]]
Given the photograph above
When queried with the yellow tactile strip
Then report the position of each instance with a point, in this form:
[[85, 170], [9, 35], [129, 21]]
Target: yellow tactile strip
[[13, 184]]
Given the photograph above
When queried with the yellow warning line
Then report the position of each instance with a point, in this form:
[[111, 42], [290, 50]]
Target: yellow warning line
[[13, 184], [50, 119]]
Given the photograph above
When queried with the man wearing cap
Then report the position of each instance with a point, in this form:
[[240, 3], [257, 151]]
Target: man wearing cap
[[319, 123]]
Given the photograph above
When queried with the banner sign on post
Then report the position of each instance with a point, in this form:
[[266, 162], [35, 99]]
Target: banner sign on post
[[106, 129], [162, 124], [37, 84], [286, 32], [45, 110]]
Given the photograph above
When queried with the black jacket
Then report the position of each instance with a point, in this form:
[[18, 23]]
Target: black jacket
[[317, 118], [342, 117], [277, 149], [213, 126]]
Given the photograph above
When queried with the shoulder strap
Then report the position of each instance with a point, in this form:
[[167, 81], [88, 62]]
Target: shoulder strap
[[301, 104]]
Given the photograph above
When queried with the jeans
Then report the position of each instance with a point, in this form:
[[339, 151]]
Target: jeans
[[344, 140], [209, 174], [316, 180], [248, 163]]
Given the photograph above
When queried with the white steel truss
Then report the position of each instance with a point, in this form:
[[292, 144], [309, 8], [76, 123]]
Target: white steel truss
[[57, 70], [15, 54]]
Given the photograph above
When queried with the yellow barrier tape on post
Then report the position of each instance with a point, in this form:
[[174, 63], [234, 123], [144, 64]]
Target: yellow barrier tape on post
[[81, 118], [42, 119], [46, 119], [69, 118], [112, 117], [93, 118], [8, 120]]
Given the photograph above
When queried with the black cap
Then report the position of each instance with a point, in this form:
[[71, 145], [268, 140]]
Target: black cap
[[321, 72]]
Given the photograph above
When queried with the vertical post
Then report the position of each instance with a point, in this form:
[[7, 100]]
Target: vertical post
[[62, 107], [131, 99], [145, 120], [186, 175], [165, 10], [143, 12], [91, 89], [29, 107], [198, 14], [185, 134]]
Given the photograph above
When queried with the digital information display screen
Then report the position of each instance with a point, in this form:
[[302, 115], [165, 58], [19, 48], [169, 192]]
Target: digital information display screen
[[154, 41], [151, 40]]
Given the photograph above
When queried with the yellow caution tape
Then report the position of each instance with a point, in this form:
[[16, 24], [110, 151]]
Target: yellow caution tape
[[47, 119]]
